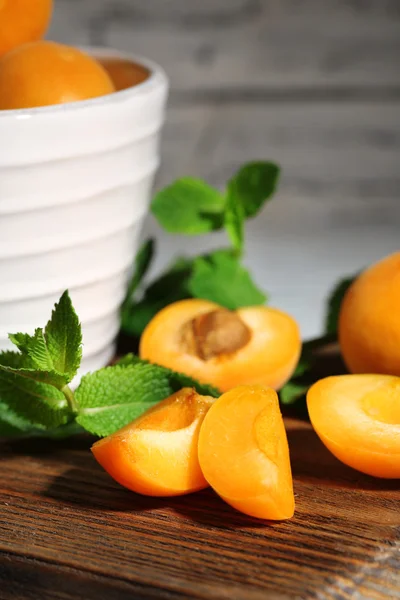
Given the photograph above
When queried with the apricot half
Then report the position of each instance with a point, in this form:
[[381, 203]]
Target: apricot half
[[156, 455], [255, 345], [369, 320], [357, 417], [244, 454]]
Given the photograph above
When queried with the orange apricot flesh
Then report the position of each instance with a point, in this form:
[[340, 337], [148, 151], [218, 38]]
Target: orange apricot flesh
[[357, 417], [244, 454], [264, 349], [156, 455]]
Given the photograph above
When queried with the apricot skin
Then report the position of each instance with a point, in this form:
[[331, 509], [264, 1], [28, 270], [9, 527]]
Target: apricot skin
[[357, 417], [369, 321], [44, 73], [244, 455], [269, 358], [23, 21], [156, 455]]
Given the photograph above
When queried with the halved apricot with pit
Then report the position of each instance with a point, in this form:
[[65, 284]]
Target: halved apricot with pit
[[254, 345], [244, 455], [156, 455], [357, 417]]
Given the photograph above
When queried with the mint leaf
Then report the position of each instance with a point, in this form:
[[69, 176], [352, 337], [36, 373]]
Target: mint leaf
[[114, 396], [334, 303], [176, 380], [234, 221], [11, 424], [35, 402], [189, 206], [35, 347], [219, 277], [176, 276], [24, 365], [142, 263], [64, 338], [253, 185], [170, 287], [292, 391], [49, 377], [57, 350]]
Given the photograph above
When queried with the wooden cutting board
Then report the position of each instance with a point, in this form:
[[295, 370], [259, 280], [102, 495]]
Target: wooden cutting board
[[67, 531]]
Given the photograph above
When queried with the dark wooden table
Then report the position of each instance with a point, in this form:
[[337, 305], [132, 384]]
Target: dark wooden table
[[68, 532]]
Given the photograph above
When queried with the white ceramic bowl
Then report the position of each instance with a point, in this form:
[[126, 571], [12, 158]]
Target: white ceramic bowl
[[75, 185]]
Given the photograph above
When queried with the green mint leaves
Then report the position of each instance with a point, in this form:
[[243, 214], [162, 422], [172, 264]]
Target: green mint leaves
[[35, 398], [114, 396], [253, 185], [191, 207], [246, 194], [56, 349], [63, 338], [33, 382], [221, 278]]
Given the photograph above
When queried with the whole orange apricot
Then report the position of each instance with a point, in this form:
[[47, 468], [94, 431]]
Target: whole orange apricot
[[357, 417], [45, 73], [254, 345], [369, 320], [23, 21]]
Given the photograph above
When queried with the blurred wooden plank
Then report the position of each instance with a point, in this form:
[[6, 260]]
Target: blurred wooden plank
[[261, 44]]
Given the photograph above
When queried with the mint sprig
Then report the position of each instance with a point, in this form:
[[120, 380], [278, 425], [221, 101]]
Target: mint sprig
[[35, 398], [192, 207]]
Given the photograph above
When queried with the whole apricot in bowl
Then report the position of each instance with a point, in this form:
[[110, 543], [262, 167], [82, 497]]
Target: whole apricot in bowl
[[23, 21], [369, 320], [46, 73]]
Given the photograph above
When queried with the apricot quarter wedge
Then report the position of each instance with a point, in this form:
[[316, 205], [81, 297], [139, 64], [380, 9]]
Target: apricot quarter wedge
[[357, 417], [254, 345], [244, 454], [156, 455]]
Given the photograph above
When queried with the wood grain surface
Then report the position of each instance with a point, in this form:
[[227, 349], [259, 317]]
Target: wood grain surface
[[67, 531]]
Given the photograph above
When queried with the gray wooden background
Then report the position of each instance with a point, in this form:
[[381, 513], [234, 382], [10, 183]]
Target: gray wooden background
[[312, 84]]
